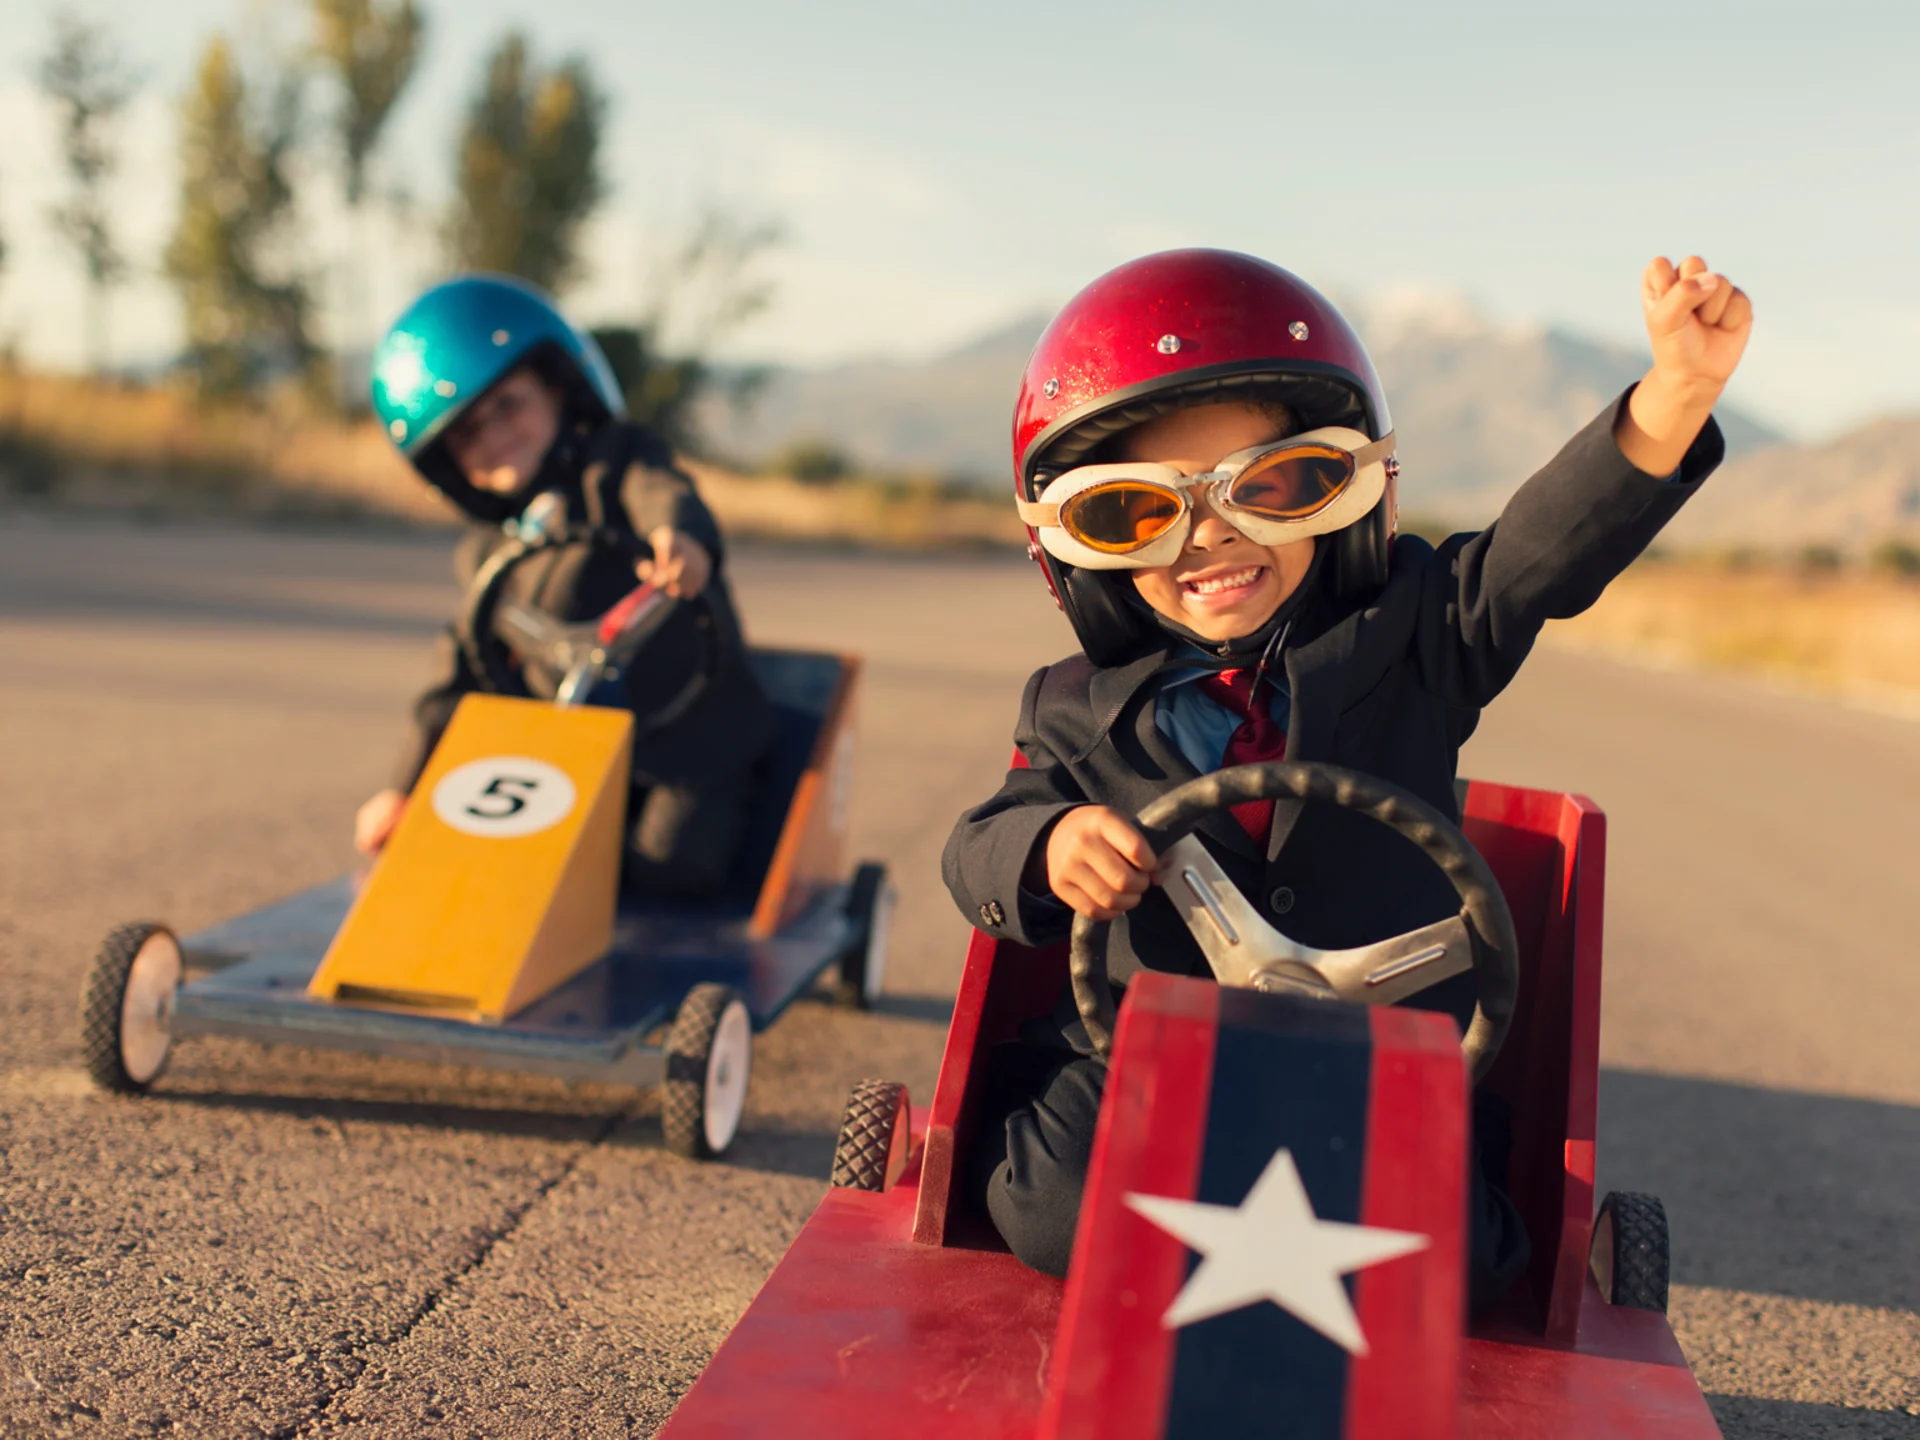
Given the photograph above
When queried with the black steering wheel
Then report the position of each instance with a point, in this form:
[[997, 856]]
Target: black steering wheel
[[1244, 950], [583, 652]]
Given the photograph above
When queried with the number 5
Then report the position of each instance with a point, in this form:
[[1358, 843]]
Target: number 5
[[495, 790]]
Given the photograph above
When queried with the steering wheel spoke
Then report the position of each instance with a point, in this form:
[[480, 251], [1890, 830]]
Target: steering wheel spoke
[[1239, 944], [1388, 971]]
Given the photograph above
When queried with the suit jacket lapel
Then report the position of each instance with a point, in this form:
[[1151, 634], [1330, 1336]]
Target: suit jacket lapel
[[1313, 709], [1108, 693]]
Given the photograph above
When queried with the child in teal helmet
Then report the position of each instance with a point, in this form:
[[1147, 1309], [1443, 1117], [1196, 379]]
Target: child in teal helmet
[[498, 402]]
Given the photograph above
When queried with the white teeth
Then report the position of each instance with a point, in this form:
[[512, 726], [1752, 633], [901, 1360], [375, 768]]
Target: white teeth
[[1214, 584]]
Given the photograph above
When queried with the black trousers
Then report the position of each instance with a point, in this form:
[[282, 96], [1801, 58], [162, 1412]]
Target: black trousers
[[1035, 1136], [682, 839]]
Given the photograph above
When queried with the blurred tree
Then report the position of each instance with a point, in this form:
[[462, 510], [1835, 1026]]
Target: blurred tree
[[812, 462], [247, 310], [659, 389], [86, 82], [1819, 559], [1895, 557], [528, 172], [707, 286], [372, 51]]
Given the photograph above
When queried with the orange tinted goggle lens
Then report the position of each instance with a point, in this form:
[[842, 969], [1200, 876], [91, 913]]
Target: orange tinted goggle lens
[[1121, 515], [1292, 484]]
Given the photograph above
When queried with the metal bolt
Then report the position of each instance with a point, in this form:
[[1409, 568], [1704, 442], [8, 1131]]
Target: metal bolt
[[445, 388], [500, 337], [1298, 329], [1168, 345], [397, 429], [1050, 389]]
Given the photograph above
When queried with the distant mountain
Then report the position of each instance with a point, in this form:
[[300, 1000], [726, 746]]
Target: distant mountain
[[950, 416], [1478, 407], [1849, 492]]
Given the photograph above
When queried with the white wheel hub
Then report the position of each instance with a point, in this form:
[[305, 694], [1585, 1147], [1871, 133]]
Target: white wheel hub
[[879, 930], [729, 1062], [146, 1009]]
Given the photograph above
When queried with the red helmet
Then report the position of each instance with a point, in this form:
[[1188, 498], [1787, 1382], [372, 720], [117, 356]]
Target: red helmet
[[1180, 328]]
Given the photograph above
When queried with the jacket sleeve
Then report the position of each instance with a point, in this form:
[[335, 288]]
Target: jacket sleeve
[[1581, 519], [433, 711], [988, 850], [656, 492]]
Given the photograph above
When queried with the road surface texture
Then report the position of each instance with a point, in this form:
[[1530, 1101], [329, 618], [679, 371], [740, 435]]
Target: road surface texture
[[293, 1243]]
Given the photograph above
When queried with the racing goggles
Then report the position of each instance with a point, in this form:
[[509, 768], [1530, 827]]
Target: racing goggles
[[1138, 516]]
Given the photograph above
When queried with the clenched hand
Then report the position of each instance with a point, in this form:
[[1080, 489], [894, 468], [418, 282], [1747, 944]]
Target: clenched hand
[[1697, 323], [1097, 863]]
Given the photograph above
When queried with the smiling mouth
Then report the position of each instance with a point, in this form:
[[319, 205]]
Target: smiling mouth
[[1224, 584]]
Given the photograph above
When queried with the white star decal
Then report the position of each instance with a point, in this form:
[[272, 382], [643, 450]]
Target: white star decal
[[1271, 1247]]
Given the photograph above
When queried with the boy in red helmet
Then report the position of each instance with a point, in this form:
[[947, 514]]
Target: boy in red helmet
[[1203, 453]]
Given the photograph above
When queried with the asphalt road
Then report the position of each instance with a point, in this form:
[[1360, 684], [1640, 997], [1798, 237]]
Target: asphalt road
[[287, 1243]]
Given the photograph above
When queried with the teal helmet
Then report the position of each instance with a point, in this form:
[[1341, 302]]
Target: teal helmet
[[455, 343]]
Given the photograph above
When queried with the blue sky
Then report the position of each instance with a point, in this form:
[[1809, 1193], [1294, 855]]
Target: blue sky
[[941, 169]]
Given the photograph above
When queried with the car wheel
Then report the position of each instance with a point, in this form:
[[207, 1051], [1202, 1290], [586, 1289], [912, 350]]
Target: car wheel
[[872, 1148], [126, 1007], [863, 966], [709, 1058], [1631, 1256]]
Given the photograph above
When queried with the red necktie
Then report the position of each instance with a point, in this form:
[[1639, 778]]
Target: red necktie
[[1259, 737]]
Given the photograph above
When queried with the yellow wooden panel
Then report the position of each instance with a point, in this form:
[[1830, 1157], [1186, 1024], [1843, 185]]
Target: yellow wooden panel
[[499, 883]]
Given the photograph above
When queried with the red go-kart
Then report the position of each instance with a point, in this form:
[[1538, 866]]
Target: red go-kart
[[1271, 1240]]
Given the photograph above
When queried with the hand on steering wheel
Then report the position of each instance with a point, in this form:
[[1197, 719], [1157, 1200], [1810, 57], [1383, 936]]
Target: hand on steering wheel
[[1244, 950], [680, 564]]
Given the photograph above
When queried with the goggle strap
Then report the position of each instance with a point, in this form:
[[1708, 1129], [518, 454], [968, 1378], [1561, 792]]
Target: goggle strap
[[1037, 514], [1373, 454]]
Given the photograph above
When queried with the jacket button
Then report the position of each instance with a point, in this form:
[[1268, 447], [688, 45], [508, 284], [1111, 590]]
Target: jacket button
[[1281, 900], [991, 914]]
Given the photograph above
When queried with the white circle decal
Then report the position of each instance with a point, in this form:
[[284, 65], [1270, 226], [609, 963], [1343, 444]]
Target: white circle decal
[[503, 796]]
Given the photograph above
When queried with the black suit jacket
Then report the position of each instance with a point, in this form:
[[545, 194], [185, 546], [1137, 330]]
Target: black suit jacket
[[1393, 687]]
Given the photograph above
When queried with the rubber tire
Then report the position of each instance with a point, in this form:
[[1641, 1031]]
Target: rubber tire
[[689, 1049], [865, 897], [102, 994], [862, 1154], [1632, 1255]]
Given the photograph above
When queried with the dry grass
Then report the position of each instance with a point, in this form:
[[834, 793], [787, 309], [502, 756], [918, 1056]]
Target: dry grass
[[909, 516], [1846, 633], [154, 448], [80, 444]]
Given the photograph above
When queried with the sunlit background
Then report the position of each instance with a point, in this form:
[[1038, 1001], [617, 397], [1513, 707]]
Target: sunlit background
[[939, 171]]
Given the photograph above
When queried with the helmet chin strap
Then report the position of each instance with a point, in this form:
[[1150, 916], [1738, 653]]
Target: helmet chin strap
[[1261, 641]]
